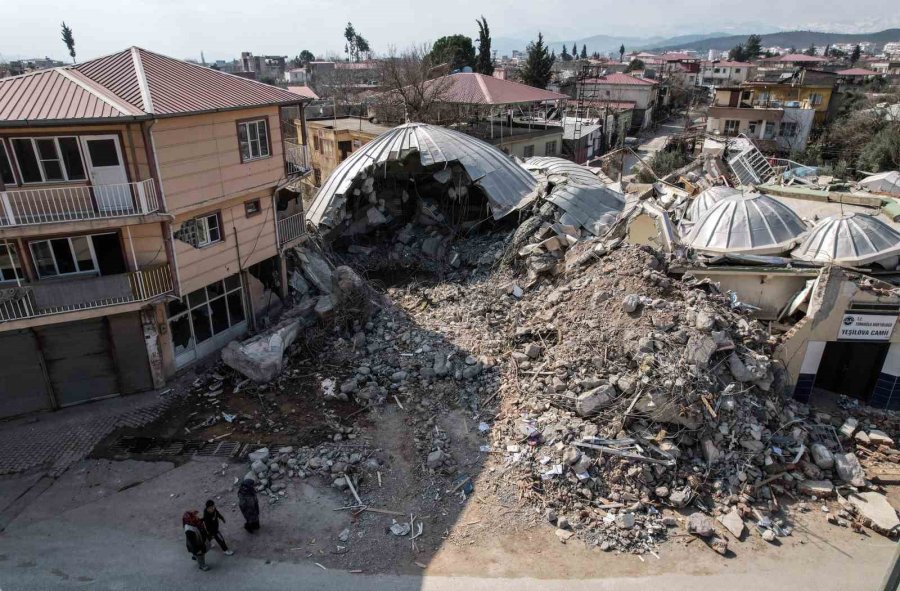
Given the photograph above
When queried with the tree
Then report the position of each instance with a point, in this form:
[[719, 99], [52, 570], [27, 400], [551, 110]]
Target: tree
[[837, 53], [69, 40], [811, 50], [537, 69], [355, 44], [738, 53], [854, 57], [455, 50], [622, 53], [584, 52], [413, 93], [564, 56], [304, 58], [574, 51], [484, 64], [596, 55], [635, 65], [883, 152], [753, 47]]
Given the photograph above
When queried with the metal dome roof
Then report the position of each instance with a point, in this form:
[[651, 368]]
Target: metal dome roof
[[707, 198], [594, 208], [553, 166], [506, 184], [852, 239], [754, 224]]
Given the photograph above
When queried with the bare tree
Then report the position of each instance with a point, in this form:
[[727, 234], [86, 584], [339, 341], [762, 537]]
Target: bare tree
[[415, 89]]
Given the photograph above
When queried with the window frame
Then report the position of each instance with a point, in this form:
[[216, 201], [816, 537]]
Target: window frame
[[58, 275], [268, 145], [207, 304], [792, 125], [32, 140], [548, 145], [10, 253], [203, 221], [6, 153], [257, 203], [526, 149], [737, 126]]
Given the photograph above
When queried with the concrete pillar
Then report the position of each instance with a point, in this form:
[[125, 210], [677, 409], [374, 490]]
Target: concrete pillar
[[151, 339], [887, 389], [808, 369]]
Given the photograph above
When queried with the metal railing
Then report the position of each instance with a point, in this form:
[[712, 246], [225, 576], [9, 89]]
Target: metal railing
[[290, 228], [296, 158], [58, 297], [34, 205]]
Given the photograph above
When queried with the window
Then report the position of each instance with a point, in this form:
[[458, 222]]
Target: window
[[732, 126], [6, 170], [716, 71], [317, 176], [253, 137], [48, 159], [528, 151], [550, 148], [815, 99], [252, 208], [788, 129], [753, 127], [208, 311], [10, 266], [63, 256], [317, 144], [209, 229], [737, 70], [769, 132]]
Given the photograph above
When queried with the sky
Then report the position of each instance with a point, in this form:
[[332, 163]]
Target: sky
[[224, 28]]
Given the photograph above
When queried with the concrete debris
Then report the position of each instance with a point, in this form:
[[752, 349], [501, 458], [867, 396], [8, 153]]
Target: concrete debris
[[849, 469], [733, 522], [701, 525], [260, 358], [876, 512]]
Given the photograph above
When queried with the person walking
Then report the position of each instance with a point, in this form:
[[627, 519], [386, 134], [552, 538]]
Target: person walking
[[249, 505], [211, 517], [195, 537]]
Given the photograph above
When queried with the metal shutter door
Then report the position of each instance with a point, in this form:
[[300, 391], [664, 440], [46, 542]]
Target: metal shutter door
[[130, 352], [23, 387], [79, 360]]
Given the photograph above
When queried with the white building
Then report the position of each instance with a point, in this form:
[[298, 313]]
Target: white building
[[724, 73], [296, 76]]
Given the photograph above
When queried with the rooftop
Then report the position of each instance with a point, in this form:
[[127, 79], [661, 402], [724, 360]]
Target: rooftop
[[856, 72], [131, 84], [479, 89], [621, 79], [350, 124]]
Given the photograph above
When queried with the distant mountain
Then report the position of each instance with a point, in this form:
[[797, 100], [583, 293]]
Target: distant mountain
[[799, 39], [602, 43]]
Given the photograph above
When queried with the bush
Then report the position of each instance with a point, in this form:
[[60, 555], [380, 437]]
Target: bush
[[883, 152], [664, 162]]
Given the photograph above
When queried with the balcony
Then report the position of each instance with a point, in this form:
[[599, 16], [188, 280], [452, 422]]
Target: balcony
[[46, 298], [290, 228], [296, 159], [28, 206]]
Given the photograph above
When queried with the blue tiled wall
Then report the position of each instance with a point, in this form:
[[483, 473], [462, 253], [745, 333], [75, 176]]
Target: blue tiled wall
[[804, 386], [887, 392]]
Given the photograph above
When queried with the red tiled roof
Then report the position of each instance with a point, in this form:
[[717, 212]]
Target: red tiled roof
[[304, 91], [856, 72], [676, 57], [619, 78], [720, 64], [800, 57], [479, 89], [133, 83]]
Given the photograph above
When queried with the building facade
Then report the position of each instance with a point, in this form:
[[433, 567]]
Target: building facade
[[736, 111], [139, 227]]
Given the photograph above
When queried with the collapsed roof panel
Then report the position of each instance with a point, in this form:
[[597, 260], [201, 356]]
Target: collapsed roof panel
[[707, 198], [553, 167], [850, 239], [505, 184], [754, 223], [883, 182], [594, 208]]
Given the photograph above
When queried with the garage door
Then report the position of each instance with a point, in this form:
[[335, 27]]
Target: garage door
[[79, 362], [23, 388]]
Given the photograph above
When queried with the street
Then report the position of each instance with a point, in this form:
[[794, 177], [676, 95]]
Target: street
[[654, 141]]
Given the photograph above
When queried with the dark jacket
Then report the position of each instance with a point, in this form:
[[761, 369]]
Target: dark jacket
[[247, 501], [194, 539], [211, 520]]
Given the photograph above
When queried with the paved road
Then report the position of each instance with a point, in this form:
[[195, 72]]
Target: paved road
[[654, 141]]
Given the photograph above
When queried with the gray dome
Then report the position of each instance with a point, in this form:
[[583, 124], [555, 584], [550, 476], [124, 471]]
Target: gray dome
[[559, 170], [592, 207], [752, 224], [505, 183], [851, 239], [706, 199]]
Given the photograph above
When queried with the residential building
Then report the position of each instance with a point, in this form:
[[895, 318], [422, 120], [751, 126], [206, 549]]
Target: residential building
[[265, 68], [725, 73], [782, 128], [331, 141], [793, 60], [619, 88], [582, 139], [138, 222], [296, 76], [803, 87], [856, 75], [888, 67]]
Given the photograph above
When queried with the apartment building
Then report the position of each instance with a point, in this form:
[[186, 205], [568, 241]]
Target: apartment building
[[724, 73], [332, 140], [141, 222], [782, 127]]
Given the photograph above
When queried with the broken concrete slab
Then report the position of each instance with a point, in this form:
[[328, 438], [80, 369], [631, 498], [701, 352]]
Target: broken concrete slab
[[849, 470], [261, 358], [701, 525], [822, 456], [699, 350], [315, 267], [733, 522], [592, 401], [876, 511], [818, 488]]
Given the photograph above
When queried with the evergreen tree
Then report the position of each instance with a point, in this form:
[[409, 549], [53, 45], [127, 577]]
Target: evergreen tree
[[574, 50], [69, 40], [484, 64], [564, 56], [455, 50], [753, 47], [811, 50], [584, 52], [622, 53], [538, 63], [355, 44], [854, 57]]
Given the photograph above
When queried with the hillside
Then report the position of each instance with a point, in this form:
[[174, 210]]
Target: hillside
[[602, 43], [799, 39]]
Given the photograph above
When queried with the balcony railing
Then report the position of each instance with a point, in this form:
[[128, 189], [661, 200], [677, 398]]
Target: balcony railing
[[72, 295], [296, 158], [290, 228], [33, 205]]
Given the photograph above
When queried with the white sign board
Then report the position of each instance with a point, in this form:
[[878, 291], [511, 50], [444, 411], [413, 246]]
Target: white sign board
[[866, 327]]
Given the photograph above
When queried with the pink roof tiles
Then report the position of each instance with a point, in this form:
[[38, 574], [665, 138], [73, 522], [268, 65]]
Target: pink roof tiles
[[134, 83], [856, 72], [618, 78], [304, 91], [479, 89]]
